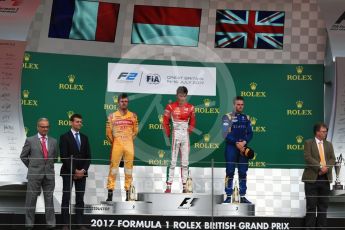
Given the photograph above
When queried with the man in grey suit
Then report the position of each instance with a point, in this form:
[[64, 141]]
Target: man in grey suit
[[317, 176], [38, 155]]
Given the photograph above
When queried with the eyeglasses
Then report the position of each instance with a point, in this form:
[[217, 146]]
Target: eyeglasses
[[44, 127]]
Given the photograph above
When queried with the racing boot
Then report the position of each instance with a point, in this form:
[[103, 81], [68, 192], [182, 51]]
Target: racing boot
[[110, 195]]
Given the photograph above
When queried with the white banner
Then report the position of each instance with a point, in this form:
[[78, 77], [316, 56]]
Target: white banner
[[338, 138], [12, 135], [16, 17], [161, 79], [333, 12]]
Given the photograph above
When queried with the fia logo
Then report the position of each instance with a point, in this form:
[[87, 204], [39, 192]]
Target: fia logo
[[188, 202], [153, 78]]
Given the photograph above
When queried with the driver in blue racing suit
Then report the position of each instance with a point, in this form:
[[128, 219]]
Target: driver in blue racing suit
[[237, 132]]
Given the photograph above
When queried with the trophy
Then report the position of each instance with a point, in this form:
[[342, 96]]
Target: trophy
[[132, 196], [235, 197], [337, 185], [189, 184]]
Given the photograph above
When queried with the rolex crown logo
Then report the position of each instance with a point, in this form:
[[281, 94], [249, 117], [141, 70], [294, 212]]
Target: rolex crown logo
[[26, 93], [253, 120], [299, 104], [69, 114], [161, 153], [207, 137], [299, 69], [115, 99], [26, 57], [26, 129], [71, 78], [160, 118], [253, 85], [207, 102], [299, 139]]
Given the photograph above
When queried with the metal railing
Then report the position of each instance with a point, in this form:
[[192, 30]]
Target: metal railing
[[276, 192]]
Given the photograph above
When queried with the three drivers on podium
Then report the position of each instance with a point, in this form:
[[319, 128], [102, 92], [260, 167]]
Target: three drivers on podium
[[40, 151]]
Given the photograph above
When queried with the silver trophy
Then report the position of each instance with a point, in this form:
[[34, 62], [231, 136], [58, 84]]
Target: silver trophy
[[337, 185], [235, 197]]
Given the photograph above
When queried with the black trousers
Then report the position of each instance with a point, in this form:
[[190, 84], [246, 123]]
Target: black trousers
[[79, 199], [317, 203]]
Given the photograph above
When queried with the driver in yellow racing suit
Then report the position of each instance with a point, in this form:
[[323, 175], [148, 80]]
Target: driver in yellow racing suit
[[121, 129]]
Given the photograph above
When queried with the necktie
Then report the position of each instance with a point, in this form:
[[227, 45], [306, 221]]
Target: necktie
[[322, 155], [44, 147], [77, 140]]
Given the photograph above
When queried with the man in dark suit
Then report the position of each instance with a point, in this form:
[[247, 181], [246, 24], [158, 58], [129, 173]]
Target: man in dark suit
[[74, 144], [317, 176], [38, 154]]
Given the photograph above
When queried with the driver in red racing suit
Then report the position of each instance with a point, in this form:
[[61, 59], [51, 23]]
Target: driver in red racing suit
[[182, 116]]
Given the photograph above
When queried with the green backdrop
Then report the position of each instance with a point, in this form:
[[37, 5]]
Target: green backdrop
[[283, 101]]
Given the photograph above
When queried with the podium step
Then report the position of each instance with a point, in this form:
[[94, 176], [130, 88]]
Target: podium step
[[232, 209], [179, 204], [172, 204]]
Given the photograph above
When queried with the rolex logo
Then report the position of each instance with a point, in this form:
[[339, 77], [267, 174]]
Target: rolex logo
[[255, 127], [115, 99], [207, 102], [71, 84], [160, 118], [299, 139], [299, 111], [299, 104], [27, 64], [206, 144], [26, 93], [253, 85], [26, 101], [299, 69], [161, 153], [253, 120], [297, 146], [112, 106], [66, 122], [69, 114], [207, 137], [26, 57], [26, 129], [252, 92], [71, 78]]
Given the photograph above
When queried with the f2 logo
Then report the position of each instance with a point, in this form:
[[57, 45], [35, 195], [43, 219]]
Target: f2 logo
[[127, 76], [188, 202]]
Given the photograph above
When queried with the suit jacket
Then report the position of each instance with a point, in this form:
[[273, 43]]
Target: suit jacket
[[312, 160], [33, 158], [69, 147]]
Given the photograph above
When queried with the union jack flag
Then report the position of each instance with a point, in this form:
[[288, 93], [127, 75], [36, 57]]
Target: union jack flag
[[249, 29]]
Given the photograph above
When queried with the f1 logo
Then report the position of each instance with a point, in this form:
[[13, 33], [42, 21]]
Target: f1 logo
[[127, 76], [188, 202], [341, 18]]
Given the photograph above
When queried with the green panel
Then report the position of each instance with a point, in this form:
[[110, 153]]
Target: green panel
[[283, 101]]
